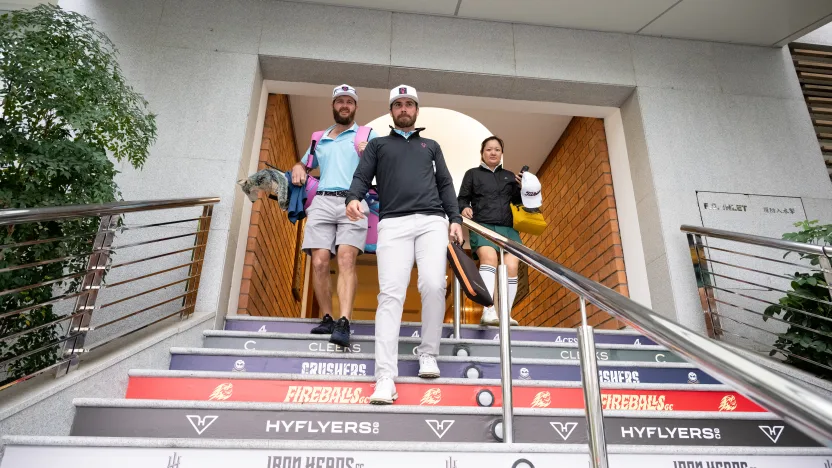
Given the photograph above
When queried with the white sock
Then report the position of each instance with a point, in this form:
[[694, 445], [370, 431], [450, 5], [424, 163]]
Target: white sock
[[488, 274], [512, 291]]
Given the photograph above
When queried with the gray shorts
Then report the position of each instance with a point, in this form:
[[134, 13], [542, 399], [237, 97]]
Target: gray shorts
[[327, 225]]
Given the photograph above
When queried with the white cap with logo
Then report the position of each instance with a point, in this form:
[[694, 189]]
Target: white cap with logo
[[530, 191], [403, 91], [344, 90]]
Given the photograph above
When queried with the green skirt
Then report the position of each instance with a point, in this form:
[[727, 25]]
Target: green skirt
[[478, 241]]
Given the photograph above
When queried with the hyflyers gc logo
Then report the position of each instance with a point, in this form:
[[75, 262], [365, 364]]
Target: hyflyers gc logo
[[199, 423], [564, 430], [773, 432], [440, 428]]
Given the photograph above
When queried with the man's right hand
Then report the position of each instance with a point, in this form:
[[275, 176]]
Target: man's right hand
[[354, 212], [468, 213], [298, 175]]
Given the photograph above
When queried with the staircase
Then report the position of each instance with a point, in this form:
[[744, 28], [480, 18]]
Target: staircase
[[263, 392]]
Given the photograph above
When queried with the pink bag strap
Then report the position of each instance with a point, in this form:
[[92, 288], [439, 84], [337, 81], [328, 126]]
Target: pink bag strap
[[361, 136], [316, 137]]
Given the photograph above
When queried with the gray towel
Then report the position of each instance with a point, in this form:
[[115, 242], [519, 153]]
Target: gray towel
[[267, 183]]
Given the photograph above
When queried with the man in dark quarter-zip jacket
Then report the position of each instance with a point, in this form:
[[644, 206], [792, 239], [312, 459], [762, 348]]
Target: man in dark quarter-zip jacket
[[418, 212]]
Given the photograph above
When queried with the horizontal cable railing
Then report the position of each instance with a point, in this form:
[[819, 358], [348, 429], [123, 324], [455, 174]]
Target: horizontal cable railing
[[806, 409], [74, 278], [766, 295]]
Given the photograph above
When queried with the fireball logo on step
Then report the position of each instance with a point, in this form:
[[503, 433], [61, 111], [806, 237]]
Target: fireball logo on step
[[432, 397], [542, 400], [222, 392], [728, 403]]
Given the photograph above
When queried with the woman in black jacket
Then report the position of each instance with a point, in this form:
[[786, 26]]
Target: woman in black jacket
[[485, 196]]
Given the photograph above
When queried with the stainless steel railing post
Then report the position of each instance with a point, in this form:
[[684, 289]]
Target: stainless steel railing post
[[505, 350], [592, 392], [457, 308]]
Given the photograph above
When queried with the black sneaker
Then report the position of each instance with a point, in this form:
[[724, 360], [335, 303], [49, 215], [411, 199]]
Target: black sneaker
[[341, 333], [325, 327]]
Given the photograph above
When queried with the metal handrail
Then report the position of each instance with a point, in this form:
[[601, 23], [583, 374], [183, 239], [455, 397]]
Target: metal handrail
[[52, 213], [91, 280], [801, 247], [805, 409]]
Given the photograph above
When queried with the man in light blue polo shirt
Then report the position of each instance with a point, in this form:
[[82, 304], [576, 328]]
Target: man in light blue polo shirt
[[328, 232]]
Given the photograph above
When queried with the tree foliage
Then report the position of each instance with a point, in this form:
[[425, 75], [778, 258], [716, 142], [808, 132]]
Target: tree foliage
[[67, 115], [809, 335]]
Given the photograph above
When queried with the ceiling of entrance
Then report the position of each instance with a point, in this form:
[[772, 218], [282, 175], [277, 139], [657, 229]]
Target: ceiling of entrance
[[758, 22]]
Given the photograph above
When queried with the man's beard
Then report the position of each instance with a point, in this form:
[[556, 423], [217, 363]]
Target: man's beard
[[404, 121], [341, 120]]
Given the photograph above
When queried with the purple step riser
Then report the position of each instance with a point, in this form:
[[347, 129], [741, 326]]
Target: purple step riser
[[410, 368]]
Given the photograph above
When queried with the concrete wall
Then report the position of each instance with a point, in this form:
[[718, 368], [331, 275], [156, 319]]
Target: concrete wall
[[822, 36], [43, 406], [696, 115]]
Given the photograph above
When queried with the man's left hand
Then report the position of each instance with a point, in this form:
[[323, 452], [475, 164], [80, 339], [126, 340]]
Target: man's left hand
[[361, 146], [455, 233]]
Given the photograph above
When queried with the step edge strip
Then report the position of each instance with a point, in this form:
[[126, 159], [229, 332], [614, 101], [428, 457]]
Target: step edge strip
[[130, 442]]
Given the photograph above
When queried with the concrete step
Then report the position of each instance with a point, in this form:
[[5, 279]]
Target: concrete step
[[368, 423], [414, 329], [284, 362], [295, 388], [101, 452], [448, 347]]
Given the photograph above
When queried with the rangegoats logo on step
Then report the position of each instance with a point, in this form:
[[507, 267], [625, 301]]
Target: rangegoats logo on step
[[542, 400], [222, 392], [728, 403], [201, 423], [432, 397], [315, 394], [440, 428]]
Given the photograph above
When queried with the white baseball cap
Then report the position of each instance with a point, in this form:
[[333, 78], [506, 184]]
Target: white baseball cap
[[403, 91], [344, 90], [530, 191]]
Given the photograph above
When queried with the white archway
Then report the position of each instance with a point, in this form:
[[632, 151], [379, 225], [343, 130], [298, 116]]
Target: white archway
[[459, 136]]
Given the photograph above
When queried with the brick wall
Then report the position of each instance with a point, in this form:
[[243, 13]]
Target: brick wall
[[583, 234], [266, 288]]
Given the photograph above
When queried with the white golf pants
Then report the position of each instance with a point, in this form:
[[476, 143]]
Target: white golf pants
[[423, 238]]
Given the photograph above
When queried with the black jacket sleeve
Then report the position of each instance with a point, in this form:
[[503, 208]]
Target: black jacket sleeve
[[516, 199], [463, 200], [364, 173], [445, 184]]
